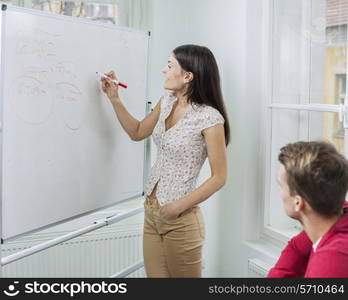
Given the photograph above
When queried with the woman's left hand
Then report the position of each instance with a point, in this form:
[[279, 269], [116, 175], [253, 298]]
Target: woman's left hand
[[170, 211]]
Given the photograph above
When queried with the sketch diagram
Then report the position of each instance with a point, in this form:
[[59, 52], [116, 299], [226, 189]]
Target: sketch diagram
[[38, 48], [33, 97], [70, 96], [122, 41], [31, 100], [41, 46], [64, 69], [68, 91], [36, 72]]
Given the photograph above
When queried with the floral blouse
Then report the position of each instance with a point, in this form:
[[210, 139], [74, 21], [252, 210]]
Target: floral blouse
[[181, 150]]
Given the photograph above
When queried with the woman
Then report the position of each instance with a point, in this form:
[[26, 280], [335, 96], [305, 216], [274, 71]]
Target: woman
[[187, 124]]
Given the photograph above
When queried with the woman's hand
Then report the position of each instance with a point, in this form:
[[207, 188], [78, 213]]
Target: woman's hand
[[109, 87], [170, 211]]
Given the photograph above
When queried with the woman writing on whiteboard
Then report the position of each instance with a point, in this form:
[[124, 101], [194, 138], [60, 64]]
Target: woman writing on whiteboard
[[188, 124]]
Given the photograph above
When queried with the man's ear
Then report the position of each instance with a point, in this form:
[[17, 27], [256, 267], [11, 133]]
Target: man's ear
[[188, 77], [298, 203]]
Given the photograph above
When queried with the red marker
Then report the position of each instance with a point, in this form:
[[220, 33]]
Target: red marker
[[113, 80]]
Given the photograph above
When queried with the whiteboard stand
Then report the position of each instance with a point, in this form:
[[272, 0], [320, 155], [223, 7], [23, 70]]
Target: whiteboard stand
[[132, 268], [147, 144], [147, 151], [2, 22], [45, 245]]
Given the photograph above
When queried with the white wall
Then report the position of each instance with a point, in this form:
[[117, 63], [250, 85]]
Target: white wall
[[232, 30]]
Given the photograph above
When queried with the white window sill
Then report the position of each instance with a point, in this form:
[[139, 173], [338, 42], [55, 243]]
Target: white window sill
[[279, 236], [270, 244]]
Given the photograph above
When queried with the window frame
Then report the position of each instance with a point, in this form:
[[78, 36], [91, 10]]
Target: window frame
[[268, 232]]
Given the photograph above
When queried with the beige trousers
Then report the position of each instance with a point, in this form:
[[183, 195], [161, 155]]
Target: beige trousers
[[172, 248]]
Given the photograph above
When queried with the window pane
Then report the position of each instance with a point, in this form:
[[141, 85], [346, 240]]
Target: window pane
[[326, 126], [127, 13], [290, 126], [309, 65], [287, 51], [316, 38], [286, 128], [105, 11], [309, 50], [328, 34]]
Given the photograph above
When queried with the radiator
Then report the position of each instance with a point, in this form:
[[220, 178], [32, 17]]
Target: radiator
[[257, 268], [98, 254]]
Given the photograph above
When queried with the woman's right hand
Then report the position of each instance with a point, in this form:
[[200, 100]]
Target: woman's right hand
[[109, 87]]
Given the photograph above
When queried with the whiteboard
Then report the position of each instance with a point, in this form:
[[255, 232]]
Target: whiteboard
[[64, 152]]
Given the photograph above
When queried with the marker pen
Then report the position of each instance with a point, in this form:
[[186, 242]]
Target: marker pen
[[113, 80]]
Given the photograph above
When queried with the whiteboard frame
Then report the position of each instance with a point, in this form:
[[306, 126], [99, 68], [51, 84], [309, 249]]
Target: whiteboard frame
[[2, 22], [146, 152]]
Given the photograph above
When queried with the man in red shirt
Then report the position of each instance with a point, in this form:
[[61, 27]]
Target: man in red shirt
[[313, 180]]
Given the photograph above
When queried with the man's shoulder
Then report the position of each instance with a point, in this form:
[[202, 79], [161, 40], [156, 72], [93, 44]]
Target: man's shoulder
[[338, 242]]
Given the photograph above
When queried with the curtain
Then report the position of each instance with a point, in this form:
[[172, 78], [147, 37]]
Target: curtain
[[137, 14]]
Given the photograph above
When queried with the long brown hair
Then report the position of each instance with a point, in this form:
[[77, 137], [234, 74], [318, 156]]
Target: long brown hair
[[205, 87]]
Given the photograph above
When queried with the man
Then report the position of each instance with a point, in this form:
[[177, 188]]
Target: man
[[313, 180]]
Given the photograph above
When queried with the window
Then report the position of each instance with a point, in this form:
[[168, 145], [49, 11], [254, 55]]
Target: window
[[307, 97], [101, 11], [133, 14]]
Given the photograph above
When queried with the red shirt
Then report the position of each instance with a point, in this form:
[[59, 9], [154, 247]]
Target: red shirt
[[329, 260]]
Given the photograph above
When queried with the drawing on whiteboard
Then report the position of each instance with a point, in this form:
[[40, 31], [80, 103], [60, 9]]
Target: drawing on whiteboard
[[31, 100], [70, 96], [40, 32], [41, 45], [39, 48], [68, 91], [36, 72], [63, 68], [72, 115], [123, 40]]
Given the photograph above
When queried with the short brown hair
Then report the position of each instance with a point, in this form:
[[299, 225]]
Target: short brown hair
[[318, 173]]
